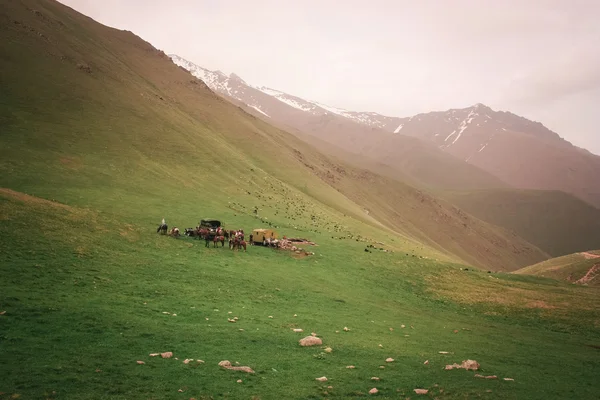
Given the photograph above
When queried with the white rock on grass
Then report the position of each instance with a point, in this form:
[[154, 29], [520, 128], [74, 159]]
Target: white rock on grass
[[373, 391], [321, 379]]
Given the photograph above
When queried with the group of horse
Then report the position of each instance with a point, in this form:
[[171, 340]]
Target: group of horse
[[214, 235]]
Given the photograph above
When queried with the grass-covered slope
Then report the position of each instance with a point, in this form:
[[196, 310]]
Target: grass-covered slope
[[97, 117], [580, 268], [85, 297], [556, 222]]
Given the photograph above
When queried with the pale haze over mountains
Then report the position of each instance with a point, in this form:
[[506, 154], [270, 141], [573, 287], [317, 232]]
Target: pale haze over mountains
[[538, 59]]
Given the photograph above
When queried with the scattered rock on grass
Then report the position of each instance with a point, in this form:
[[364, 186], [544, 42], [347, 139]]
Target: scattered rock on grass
[[298, 330], [421, 391], [321, 379], [140, 362], [508, 379], [373, 391], [167, 354], [227, 365], [350, 367], [426, 362], [468, 365], [310, 341], [389, 359], [486, 377], [328, 349]]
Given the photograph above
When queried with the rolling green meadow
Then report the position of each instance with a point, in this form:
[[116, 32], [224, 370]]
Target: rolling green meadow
[[103, 136]]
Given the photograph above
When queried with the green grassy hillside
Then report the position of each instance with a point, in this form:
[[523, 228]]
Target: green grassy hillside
[[556, 222], [85, 297], [580, 268], [96, 117], [103, 136]]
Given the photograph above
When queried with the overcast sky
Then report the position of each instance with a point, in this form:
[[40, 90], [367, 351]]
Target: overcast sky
[[537, 58]]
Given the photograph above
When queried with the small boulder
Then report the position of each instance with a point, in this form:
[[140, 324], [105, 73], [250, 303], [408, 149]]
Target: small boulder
[[310, 341], [373, 391], [421, 391], [470, 364], [321, 379]]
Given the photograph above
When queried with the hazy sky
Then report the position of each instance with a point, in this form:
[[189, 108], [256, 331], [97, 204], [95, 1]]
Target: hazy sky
[[537, 58]]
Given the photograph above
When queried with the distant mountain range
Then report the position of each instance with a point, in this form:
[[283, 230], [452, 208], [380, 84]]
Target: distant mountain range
[[500, 149]]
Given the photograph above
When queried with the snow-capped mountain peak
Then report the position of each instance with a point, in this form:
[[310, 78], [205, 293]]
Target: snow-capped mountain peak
[[465, 132]]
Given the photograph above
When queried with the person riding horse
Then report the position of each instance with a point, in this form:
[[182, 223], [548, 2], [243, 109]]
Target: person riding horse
[[162, 228]]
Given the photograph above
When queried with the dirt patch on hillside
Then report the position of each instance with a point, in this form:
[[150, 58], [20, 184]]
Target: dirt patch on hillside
[[71, 163], [128, 232], [588, 255], [25, 198], [539, 304], [590, 275]]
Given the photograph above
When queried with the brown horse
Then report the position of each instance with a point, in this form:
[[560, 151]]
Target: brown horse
[[237, 243], [217, 239], [203, 233], [174, 232]]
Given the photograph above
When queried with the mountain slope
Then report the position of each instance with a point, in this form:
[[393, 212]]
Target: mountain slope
[[579, 268], [513, 150], [355, 133], [521, 152], [95, 116], [554, 221]]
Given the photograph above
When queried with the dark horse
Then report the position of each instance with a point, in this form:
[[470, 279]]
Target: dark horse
[[162, 228]]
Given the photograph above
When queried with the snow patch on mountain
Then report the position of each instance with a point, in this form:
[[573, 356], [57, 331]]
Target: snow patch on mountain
[[259, 110], [463, 126], [399, 128]]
